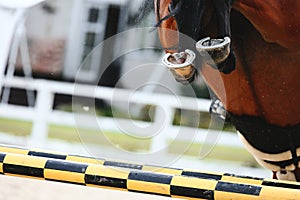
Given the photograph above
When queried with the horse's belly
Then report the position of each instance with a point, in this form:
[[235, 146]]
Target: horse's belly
[[268, 87], [277, 86]]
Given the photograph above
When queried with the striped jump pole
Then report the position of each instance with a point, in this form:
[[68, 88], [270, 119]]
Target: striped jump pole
[[118, 175]]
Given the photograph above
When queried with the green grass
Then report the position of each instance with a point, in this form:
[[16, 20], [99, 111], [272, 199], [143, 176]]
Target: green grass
[[201, 120], [181, 117], [126, 142], [15, 127], [97, 137]]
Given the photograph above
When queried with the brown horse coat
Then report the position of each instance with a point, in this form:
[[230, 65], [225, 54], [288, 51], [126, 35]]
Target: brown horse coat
[[266, 83]]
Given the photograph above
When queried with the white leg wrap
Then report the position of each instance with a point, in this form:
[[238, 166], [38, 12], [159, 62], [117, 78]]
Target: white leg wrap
[[286, 175]]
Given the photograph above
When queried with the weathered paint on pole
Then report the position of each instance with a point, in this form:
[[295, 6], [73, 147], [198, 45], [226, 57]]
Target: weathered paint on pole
[[132, 177]]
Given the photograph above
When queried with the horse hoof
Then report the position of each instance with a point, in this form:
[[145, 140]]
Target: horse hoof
[[214, 51], [181, 65], [228, 65]]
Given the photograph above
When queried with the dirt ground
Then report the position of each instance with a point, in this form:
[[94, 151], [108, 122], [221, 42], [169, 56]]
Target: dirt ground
[[16, 188]]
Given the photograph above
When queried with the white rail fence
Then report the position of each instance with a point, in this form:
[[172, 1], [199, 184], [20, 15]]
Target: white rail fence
[[160, 130]]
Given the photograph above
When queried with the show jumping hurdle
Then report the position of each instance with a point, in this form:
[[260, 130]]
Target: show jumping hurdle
[[172, 182]]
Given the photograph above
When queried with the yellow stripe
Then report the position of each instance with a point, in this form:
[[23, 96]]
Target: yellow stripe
[[13, 150], [279, 193], [241, 180], [64, 176], [22, 160], [194, 182], [107, 171], [161, 170], [148, 187], [85, 160], [234, 196], [1, 167]]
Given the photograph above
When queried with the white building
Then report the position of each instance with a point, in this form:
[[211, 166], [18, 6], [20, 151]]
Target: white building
[[63, 33]]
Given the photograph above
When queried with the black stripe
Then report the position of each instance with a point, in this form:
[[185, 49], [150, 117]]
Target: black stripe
[[245, 177], [238, 188], [105, 181], [2, 156], [150, 177], [66, 166], [123, 165], [47, 155], [23, 170], [202, 175], [284, 163], [192, 192], [283, 185]]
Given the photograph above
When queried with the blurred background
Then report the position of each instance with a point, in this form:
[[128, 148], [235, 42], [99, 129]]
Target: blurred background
[[66, 89]]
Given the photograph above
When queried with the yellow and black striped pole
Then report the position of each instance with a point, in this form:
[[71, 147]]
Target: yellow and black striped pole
[[140, 178]]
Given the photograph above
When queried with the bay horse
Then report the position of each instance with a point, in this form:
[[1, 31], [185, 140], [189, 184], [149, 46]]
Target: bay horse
[[255, 74]]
